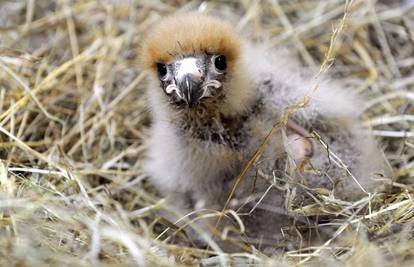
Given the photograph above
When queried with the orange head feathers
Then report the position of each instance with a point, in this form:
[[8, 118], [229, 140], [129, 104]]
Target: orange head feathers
[[196, 59], [189, 34]]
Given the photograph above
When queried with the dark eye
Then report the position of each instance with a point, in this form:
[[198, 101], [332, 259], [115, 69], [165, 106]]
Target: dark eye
[[220, 63], [162, 70]]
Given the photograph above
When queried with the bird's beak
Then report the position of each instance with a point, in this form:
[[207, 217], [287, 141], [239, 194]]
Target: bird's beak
[[189, 77]]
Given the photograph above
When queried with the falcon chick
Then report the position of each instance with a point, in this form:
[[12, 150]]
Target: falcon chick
[[215, 97]]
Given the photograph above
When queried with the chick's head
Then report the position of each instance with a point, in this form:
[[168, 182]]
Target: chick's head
[[195, 58]]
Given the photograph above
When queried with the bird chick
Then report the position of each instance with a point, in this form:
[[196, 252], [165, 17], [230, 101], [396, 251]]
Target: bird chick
[[214, 98]]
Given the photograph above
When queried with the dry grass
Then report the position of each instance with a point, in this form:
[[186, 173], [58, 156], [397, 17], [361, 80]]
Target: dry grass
[[73, 123]]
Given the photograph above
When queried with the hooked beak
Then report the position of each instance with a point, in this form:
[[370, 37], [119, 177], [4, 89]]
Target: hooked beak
[[191, 90], [189, 81], [189, 77]]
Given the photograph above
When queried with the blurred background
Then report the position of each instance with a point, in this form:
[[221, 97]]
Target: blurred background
[[74, 120]]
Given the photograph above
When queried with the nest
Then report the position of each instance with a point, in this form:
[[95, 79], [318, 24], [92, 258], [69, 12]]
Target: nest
[[74, 120]]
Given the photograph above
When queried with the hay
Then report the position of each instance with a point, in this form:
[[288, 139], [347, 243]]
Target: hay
[[73, 122]]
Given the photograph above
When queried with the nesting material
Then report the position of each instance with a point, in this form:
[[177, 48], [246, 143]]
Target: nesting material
[[74, 120]]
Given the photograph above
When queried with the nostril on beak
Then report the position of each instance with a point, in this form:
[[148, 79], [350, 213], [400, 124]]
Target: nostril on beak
[[189, 78]]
